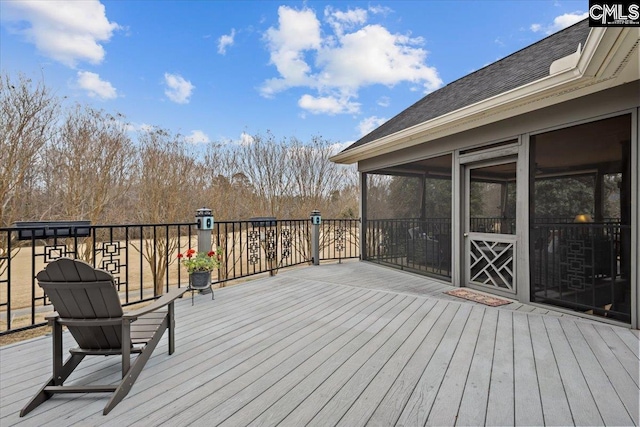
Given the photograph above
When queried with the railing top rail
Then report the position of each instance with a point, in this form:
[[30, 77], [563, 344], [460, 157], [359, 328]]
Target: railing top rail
[[579, 225], [60, 224], [411, 219]]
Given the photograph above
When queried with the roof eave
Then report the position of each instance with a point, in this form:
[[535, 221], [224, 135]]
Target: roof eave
[[592, 63]]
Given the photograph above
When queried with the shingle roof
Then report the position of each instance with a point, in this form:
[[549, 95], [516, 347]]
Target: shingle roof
[[524, 66]]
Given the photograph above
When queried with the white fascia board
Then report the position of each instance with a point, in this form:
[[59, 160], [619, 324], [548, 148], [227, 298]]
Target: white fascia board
[[498, 107]]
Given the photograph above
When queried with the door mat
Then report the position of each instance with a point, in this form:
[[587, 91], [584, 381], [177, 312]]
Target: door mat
[[478, 297]]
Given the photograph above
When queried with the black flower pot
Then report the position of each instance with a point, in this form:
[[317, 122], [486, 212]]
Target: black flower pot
[[200, 279]]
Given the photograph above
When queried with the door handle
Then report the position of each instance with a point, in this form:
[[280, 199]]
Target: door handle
[[466, 234]]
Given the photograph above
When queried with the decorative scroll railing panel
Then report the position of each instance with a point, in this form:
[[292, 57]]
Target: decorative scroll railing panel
[[492, 263], [583, 267]]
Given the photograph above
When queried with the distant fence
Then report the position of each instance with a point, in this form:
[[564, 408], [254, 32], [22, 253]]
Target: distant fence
[[143, 257]]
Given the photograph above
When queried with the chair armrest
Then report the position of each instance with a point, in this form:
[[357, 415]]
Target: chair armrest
[[52, 316], [164, 300]]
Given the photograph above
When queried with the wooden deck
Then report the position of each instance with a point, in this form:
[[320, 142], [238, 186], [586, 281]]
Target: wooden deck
[[351, 344]]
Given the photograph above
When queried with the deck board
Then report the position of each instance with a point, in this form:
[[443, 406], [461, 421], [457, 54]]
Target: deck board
[[623, 383], [281, 392], [287, 402], [352, 390], [264, 385], [350, 344], [500, 405], [528, 407], [447, 402], [473, 406], [395, 400], [380, 331], [231, 360], [363, 407], [555, 406], [584, 410], [417, 409], [612, 411]]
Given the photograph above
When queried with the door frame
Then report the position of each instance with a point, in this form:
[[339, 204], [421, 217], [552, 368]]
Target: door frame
[[515, 149], [498, 240]]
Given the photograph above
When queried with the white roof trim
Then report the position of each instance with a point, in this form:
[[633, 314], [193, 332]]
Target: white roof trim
[[566, 63]]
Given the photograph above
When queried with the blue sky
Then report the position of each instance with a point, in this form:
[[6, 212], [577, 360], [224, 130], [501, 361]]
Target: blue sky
[[221, 70]]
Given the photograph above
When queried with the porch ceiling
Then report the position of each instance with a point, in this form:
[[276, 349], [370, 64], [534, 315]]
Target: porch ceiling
[[565, 148]]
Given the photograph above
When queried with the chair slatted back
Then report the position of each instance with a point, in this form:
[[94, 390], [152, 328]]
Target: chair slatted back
[[79, 291]]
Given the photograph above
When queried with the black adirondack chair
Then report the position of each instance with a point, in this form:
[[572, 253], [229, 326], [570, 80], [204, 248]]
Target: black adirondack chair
[[87, 303]]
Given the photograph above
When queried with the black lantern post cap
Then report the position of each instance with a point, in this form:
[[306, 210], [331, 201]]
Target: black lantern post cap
[[203, 212]]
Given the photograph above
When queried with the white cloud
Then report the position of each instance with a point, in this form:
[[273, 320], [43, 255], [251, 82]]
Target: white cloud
[[339, 146], [66, 31], [568, 19], [373, 55], [369, 124], [178, 89], [298, 32], [560, 22], [327, 105], [384, 101], [226, 41], [198, 137], [338, 65], [340, 21], [138, 127], [96, 87], [246, 139]]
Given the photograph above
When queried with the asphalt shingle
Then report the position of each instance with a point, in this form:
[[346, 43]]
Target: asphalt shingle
[[524, 66]]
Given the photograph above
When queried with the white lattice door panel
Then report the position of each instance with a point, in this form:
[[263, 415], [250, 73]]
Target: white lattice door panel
[[492, 263]]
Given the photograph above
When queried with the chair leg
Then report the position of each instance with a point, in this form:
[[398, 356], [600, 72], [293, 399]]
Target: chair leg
[[43, 395], [171, 327], [60, 371], [130, 378], [126, 346]]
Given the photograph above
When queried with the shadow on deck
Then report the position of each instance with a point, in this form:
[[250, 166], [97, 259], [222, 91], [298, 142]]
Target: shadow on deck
[[351, 344]]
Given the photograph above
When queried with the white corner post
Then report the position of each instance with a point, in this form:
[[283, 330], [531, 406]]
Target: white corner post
[[316, 220]]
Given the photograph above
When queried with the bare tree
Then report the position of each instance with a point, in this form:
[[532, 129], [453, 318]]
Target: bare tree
[[88, 167], [165, 189], [27, 115], [318, 182], [267, 165], [378, 196], [226, 190]]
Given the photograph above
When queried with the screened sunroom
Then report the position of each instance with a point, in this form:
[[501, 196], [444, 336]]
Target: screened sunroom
[[520, 179]]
